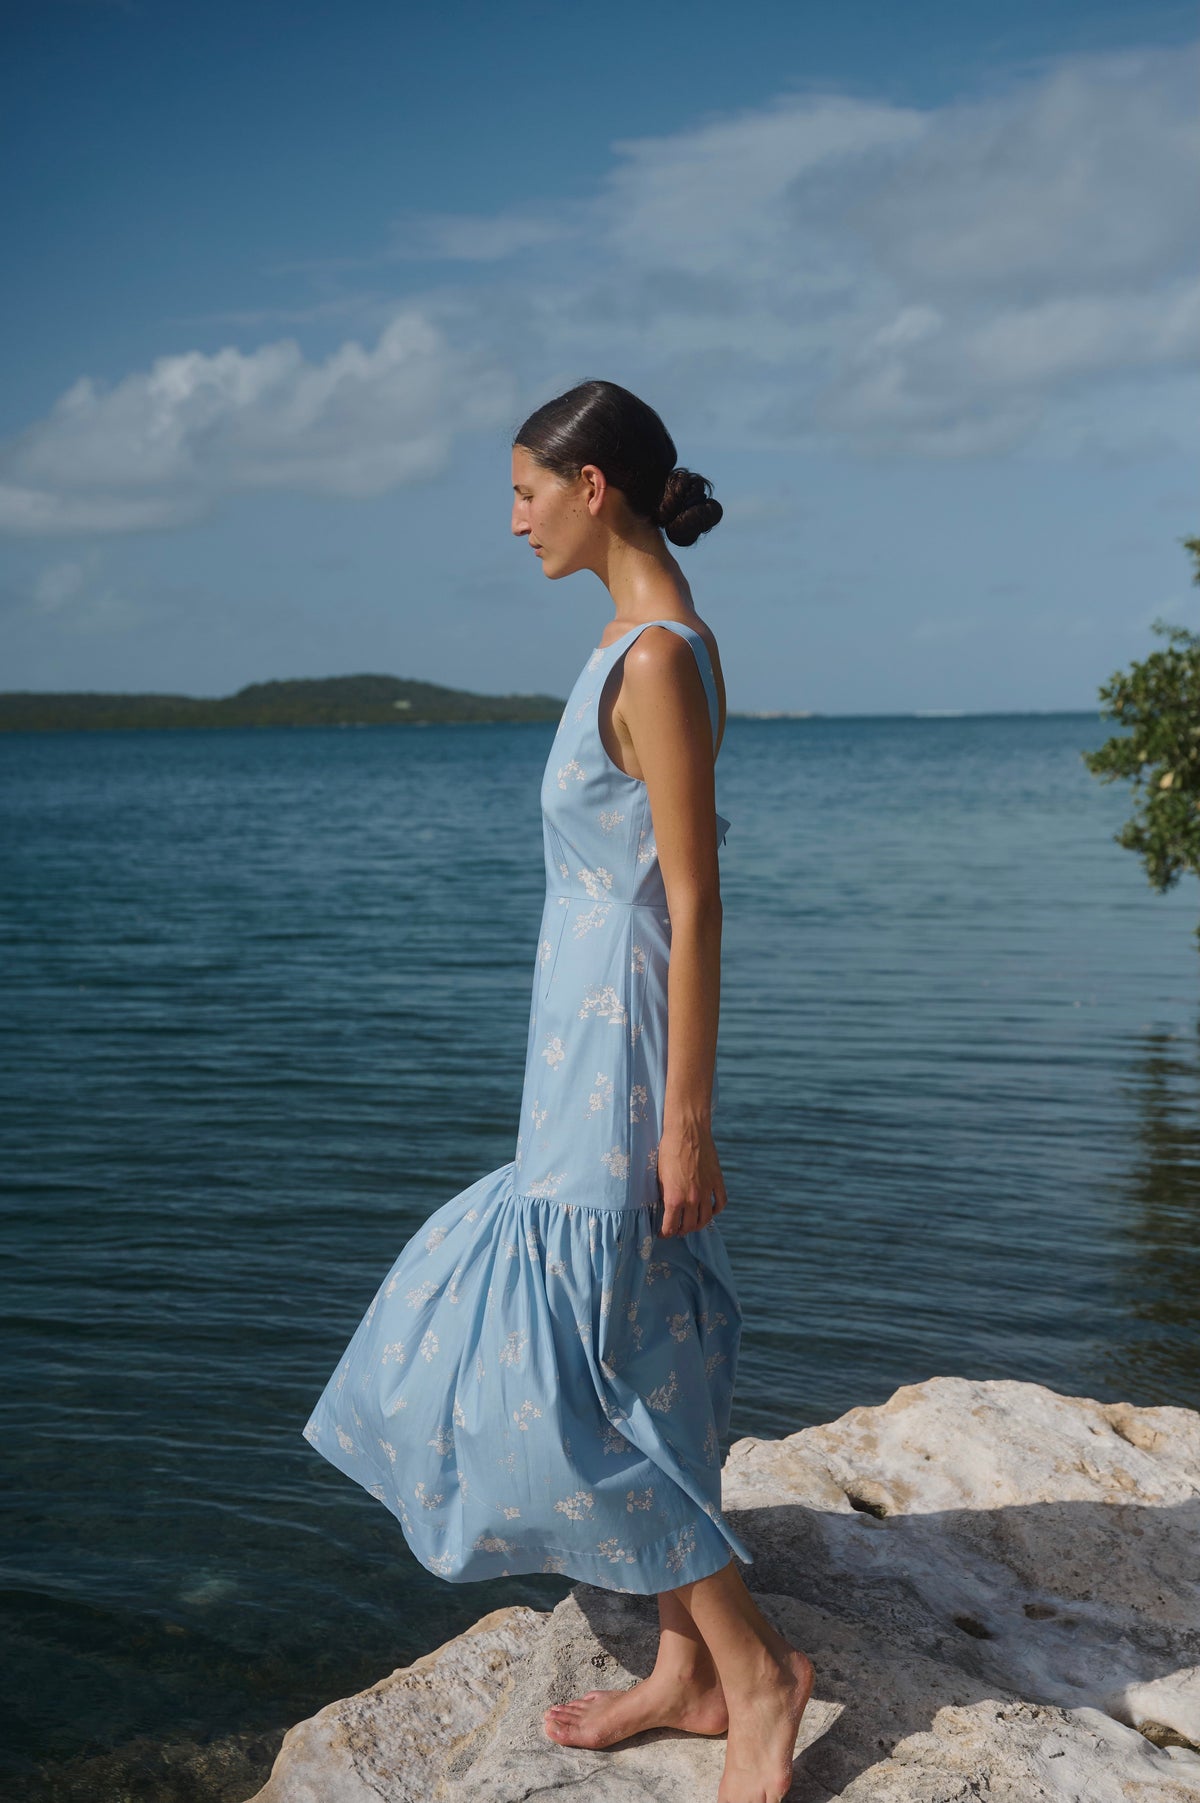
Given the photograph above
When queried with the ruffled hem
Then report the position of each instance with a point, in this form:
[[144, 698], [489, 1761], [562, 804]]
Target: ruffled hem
[[542, 1386]]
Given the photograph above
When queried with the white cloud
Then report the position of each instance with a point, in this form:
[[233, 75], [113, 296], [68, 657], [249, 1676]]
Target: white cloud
[[933, 283], [823, 271], [162, 446]]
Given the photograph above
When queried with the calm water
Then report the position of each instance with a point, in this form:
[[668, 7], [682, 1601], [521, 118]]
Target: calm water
[[265, 1004]]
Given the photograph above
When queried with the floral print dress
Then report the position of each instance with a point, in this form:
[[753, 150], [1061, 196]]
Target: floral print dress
[[542, 1381]]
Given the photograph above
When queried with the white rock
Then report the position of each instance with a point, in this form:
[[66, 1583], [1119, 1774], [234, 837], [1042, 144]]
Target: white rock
[[999, 1588]]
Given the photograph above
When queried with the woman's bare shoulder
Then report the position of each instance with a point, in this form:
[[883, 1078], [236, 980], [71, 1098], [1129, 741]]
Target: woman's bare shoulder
[[658, 644]]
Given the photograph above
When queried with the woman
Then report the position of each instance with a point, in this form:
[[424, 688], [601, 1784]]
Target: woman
[[542, 1380]]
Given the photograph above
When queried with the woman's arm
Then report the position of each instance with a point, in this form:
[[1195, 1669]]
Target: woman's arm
[[663, 710]]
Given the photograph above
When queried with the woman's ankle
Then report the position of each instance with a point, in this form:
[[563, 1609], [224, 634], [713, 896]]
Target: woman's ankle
[[692, 1674]]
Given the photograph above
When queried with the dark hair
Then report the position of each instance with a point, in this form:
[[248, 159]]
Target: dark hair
[[602, 423]]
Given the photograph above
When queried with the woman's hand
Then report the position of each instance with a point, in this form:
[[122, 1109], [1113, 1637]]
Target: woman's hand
[[689, 1178]]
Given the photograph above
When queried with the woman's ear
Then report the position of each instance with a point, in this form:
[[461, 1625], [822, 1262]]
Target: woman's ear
[[596, 487]]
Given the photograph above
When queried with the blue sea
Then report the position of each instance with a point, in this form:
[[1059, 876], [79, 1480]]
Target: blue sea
[[265, 998]]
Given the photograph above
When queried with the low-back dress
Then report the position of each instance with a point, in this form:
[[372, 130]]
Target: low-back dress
[[542, 1382]]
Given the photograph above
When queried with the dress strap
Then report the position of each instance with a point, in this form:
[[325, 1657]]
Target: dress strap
[[703, 660]]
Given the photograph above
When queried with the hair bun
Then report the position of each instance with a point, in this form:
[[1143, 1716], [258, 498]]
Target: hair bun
[[687, 507]]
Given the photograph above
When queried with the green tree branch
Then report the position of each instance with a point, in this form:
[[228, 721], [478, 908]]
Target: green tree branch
[[1157, 701]]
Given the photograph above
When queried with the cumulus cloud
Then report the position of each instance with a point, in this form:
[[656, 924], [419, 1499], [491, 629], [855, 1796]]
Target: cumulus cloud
[[924, 283], [160, 447], [823, 271]]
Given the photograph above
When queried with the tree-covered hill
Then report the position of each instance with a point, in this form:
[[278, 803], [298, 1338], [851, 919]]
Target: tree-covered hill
[[321, 701]]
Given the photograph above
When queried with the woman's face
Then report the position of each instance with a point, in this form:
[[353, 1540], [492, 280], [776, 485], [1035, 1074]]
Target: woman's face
[[558, 518]]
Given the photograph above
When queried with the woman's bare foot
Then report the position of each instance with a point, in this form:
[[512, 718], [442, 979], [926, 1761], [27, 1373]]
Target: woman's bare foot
[[600, 1718], [762, 1733]]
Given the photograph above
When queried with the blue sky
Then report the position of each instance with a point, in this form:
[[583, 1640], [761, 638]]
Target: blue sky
[[916, 287]]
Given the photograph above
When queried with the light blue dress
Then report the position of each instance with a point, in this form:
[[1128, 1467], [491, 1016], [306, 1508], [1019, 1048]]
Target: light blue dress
[[542, 1381]]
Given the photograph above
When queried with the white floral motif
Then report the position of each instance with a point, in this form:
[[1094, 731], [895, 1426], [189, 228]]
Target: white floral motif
[[644, 852], [612, 1440], [595, 882], [577, 1507], [511, 1514], [552, 1562], [442, 1563], [435, 1239], [610, 818], [555, 1267], [638, 1098], [710, 1319], [605, 1003], [663, 1398], [422, 1293], [616, 1553], [393, 1352], [389, 1449], [371, 1310], [658, 1267], [554, 1050], [358, 1420], [460, 1419], [426, 1501], [472, 1214], [680, 1326], [491, 1543], [573, 768], [463, 1484], [564, 870], [637, 963], [452, 1294], [442, 1442], [537, 1115], [429, 1346], [596, 916], [606, 1301], [511, 1248], [546, 1186], [532, 1243], [311, 1433], [544, 950], [685, 1543], [513, 1347], [635, 1031], [527, 1410], [377, 1491], [647, 1245], [344, 1441], [711, 1444], [712, 1361], [391, 1287], [639, 1499], [582, 709], [602, 1094]]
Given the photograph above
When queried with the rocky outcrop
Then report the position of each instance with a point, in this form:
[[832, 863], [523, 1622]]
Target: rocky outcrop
[[999, 1587]]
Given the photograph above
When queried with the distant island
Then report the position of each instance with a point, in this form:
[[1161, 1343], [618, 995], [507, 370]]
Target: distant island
[[320, 701]]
